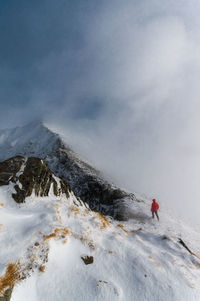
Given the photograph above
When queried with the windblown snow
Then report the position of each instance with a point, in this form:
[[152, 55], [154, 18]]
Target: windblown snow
[[52, 236], [61, 250]]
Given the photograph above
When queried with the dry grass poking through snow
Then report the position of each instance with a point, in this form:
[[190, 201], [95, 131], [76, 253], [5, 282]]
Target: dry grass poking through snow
[[105, 222], [10, 278], [58, 213], [58, 233], [75, 210], [122, 227]]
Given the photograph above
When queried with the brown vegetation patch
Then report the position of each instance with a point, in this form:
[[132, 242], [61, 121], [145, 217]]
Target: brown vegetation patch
[[49, 236], [122, 227], [11, 277], [105, 222], [75, 210], [42, 268], [62, 231], [58, 233]]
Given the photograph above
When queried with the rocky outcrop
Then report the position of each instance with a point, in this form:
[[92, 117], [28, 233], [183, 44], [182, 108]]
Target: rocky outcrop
[[88, 183], [37, 140], [30, 175], [9, 169]]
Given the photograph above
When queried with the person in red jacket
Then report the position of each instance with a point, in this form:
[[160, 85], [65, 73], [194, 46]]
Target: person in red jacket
[[154, 208]]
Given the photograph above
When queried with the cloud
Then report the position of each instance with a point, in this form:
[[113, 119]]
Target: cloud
[[120, 79]]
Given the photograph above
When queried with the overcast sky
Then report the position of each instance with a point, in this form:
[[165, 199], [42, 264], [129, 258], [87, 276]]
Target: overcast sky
[[119, 78]]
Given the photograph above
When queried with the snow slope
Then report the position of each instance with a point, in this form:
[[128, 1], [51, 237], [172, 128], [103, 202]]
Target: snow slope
[[140, 259], [49, 239], [32, 139]]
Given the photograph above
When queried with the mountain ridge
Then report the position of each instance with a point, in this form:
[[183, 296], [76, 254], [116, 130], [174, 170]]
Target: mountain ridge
[[29, 176], [35, 139], [54, 247]]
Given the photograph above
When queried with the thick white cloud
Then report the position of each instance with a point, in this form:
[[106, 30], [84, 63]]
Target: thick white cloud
[[146, 68], [121, 78]]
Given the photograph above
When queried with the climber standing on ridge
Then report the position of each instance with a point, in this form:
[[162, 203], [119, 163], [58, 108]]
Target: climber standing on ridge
[[154, 208]]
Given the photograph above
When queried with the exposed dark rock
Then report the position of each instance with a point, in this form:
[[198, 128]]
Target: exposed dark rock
[[30, 174], [9, 168], [185, 246], [85, 181], [88, 259], [88, 184]]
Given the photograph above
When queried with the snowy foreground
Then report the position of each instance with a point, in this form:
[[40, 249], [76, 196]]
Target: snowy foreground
[[141, 259]]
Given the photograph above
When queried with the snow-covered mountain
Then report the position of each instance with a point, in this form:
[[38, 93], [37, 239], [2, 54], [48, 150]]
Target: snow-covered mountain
[[54, 247], [36, 140]]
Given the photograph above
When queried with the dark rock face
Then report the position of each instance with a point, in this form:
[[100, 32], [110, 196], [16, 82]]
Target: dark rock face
[[30, 175], [9, 169], [87, 182]]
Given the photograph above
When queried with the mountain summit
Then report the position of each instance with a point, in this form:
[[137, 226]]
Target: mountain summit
[[36, 140]]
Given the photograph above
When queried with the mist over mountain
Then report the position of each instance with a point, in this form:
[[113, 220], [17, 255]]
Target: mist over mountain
[[36, 140], [116, 85], [67, 233], [121, 75]]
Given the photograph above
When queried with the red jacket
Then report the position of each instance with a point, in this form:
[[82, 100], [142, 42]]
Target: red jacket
[[154, 206]]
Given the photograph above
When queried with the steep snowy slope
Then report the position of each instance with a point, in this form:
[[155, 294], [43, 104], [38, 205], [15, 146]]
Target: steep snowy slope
[[22, 179], [36, 140], [62, 250], [54, 247]]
